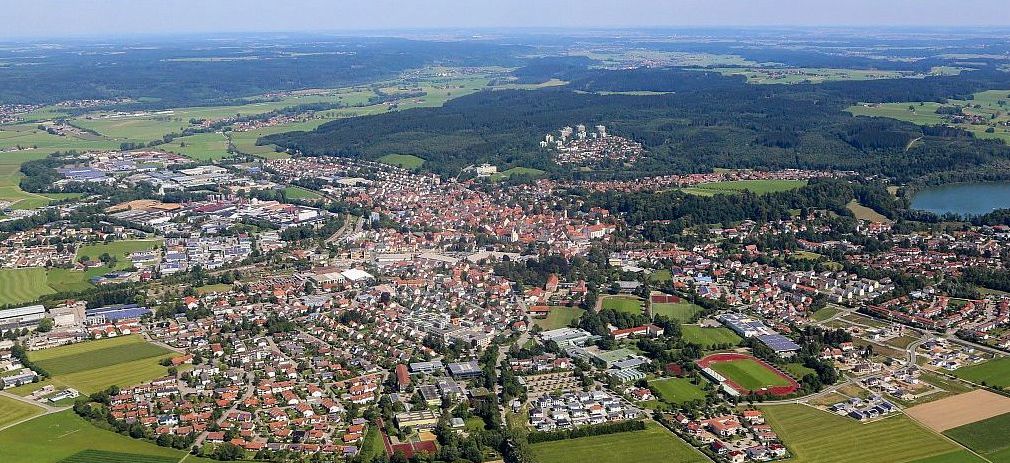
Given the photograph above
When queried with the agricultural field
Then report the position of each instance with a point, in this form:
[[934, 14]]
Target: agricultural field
[[652, 444], [10, 176], [759, 75], [626, 304], [61, 279], [406, 161], [57, 436], [103, 456], [736, 186], [559, 317], [13, 410], [18, 286], [749, 374], [73, 363], [864, 213], [95, 365], [677, 390], [815, 436], [681, 311], [201, 147], [709, 337], [993, 373], [987, 437], [985, 104], [960, 410]]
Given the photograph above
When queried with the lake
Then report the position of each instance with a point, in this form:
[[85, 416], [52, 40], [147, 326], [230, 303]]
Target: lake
[[963, 198]]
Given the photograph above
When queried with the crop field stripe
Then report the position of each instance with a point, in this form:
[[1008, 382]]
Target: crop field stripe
[[102, 456], [101, 358]]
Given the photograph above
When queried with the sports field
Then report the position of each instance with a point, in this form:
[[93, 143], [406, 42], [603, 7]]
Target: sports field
[[749, 374], [22, 285], [681, 311], [736, 186], [95, 365], [988, 437], [652, 444], [12, 411], [54, 437], [559, 317], [709, 337], [677, 390], [626, 304], [815, 436], [993, 373]]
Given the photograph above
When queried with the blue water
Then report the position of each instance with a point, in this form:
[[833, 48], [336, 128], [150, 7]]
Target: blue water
[[963, 198]]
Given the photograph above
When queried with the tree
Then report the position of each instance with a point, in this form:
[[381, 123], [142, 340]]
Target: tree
[[46, 325]]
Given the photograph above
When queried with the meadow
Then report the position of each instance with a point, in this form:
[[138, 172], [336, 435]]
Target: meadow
[[95, 365], [12, 411], [677, 390], [406, 161], [749, 374], [709, 337], [652, 444], [104, 456], [297, 192], [986, 104], [559, 317], [54, 437], [864, 213], [993, 373], [101, 358], [987, 437], [626, 304], [815, 436], [61, 279], [18, 286], [681, 311], [737, 186]]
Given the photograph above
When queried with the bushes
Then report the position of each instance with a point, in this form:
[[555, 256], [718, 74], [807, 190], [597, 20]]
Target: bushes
[[586, 431]]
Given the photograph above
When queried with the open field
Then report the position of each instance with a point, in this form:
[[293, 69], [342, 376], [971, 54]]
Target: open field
[[61, 279], [623, 304], [824, 314], [736, 186], [995, 372], [957, 456], [22, 285], [681, 311], [864, 213], [709, 337], [54, 437], [797, 370], [406, 161], [652, 444], [103, 456], [528, 171], [677, 390], [12, 411], [297, 192], [749, 374], [559, 317], [122, 374], [987, 437], [95, 365], [201, 147], [960, 410], [108, 356], [760, 75], [815, 436], [985, 104]]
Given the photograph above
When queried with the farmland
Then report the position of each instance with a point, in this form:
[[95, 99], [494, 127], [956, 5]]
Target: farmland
[[12, 411], [814, 436], [960, 410], [987, 437], [406, 161], [677, 390], [681, 311], [652, 444], [22, 285], [737, 186], [709, 337], [749, 374], [103, 456], [297, 192], [559, 317], [985, 104], [84, 361], [623, 304], [54, 437], [994, 372], [61, 279], [95, 365]]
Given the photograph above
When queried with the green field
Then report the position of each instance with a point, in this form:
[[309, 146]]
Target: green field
[[815, 436], [201, 147], [778, 75], [984, 104], [101, 358], [993, 373], [681, 311], [677, 390], [864, 213], [957, 456], [406, 161], [749, 374], [623, 304], [559, 317], [797, 370], [527, 171], [54, 437], [297, 192], [824, 314], [19, 286], [736, 186], [652, 444], [61, 279], [12, 411], [709, 337], [95, 365], [104, 456], [988, 437]]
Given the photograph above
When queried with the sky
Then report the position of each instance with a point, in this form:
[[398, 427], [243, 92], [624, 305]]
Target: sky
[[60, 18]]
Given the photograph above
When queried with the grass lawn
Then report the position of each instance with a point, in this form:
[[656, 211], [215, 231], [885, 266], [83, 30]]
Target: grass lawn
[[681, 311], [957, 456], [214, 288], [12, 411], [797, 370], [987, 437], [815, 436], [95, 365], [736, 186], [103, 456], [559, 317], [54, 437], [652, 444], [406, 161], [677, 390], [824, 314], [297, 192], [528, 171], [372, 446], [22, 285], [864, 213], [749, 374], [994, 372], [61, 279], [709, 337], [623, 304], [660, 276], [74, 363]]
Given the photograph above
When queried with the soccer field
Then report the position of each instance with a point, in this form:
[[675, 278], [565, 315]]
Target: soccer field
[[652, 444], [749, 374], [681, 311], [815, 436], [677, 390], [709, 337], [623, 304]]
